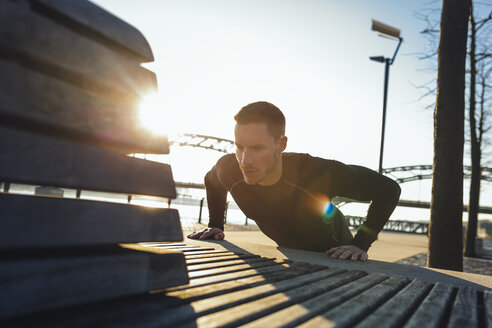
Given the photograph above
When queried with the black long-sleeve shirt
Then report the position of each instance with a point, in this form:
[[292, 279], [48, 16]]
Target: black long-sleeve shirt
[[291, 211]]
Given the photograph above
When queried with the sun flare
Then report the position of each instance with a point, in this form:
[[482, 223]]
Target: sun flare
[[153, 113]]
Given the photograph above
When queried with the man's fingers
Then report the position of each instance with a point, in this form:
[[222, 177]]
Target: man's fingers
[[206, 234], [356, 256], [195, 235], [219, 236], [345, 254], [336, 254]]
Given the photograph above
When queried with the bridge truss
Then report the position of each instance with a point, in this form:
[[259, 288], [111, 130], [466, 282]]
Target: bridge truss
[[404, 174], [400, 174], [203, 141]]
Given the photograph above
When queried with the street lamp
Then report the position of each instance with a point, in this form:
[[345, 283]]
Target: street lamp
[[389, 32]]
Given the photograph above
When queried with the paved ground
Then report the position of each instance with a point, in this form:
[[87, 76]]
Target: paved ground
[[389, 249]]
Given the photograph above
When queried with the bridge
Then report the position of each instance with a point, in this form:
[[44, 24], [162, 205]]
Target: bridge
[[401, 174]]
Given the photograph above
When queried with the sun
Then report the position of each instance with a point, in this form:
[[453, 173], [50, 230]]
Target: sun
[[153, 113]]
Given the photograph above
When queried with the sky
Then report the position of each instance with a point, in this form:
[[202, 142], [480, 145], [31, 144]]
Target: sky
[[310, 58]]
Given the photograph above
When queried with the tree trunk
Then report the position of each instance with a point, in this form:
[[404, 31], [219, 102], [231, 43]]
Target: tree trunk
[[471, 231], [445, 231]]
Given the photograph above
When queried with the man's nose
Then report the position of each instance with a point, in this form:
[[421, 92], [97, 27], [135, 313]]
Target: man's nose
[[246, 157]]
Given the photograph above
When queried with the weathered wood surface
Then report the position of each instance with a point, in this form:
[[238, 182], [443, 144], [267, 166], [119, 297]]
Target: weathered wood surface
[[47, 105], [38, 160], [396, 311], [349, 313], [431, 312], [47, 40], [465, 309], [282, 295], [37, 280], [29, 221], [298, 313], [487, 304], [93, 21], [68, 71]]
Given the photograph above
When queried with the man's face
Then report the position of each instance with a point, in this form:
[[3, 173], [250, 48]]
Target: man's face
[[258, 153]]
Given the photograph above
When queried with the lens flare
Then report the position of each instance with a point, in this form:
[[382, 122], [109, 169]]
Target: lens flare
[[321, 206], [328, 212]]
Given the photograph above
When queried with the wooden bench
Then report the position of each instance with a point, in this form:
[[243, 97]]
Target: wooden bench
[[228, 289], [70, 88]]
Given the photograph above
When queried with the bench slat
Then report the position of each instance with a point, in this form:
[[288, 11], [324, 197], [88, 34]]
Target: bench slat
[[431, 311], [199, 267], [202, 292], [29, 221], [39, 160], [203, 260], [299, 313], [355, 310], [487, 308], [234, 268], [91, 20], [38, 284], [232, 276], [465, 309], [405, 301], [246, 312], [42, 104], [43, 45]]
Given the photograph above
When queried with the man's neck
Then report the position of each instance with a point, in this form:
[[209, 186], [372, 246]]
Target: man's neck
[[274, 176]]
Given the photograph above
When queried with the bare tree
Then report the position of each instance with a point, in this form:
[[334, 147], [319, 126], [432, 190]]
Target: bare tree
[[445, 237], [476, 132]]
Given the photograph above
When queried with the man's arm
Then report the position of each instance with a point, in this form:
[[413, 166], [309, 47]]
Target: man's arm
[[360, 183], [216, 200], [383, 193]]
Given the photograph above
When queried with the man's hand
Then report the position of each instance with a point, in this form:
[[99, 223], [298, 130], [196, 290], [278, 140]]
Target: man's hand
[[347, 252], [207, 233]]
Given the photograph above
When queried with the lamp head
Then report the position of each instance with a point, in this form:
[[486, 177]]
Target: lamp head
[[377, 58], [385, 31]]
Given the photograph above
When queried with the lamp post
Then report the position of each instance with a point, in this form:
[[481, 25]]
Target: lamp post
[[389, 32]]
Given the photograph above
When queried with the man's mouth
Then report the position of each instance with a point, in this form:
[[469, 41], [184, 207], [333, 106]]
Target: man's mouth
[[248, 171]]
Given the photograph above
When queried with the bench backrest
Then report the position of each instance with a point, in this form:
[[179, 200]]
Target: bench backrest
[[70, 89]]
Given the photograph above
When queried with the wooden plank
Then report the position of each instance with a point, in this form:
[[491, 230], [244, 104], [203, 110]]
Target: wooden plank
[[232, 276], [202, 292], [210, 254], [29, 221], [433, 309], [38, 282], [219, 258], [28, 158], [96, 23], [355, 310], [137, 311], [487, 304], [298, 313], [246, 312], [234, 268], [198, 267], [43, 44], [406, 301], [247, 296], [465, 309], [42, 104]]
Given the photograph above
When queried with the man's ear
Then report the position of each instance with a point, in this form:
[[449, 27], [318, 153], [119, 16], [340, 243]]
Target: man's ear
[[282, 143]]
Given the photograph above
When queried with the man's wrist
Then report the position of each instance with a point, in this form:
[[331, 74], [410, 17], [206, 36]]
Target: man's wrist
[[364, 237]]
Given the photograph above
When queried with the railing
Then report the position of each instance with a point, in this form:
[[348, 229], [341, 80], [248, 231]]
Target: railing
[[394, 225], [353, 221]]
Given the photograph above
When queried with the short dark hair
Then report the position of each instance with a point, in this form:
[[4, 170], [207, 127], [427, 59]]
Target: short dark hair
[[263, 112]]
